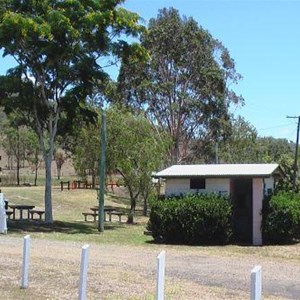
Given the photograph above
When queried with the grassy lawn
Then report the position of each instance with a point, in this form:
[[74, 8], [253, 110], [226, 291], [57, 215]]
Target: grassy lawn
[[69, 222]]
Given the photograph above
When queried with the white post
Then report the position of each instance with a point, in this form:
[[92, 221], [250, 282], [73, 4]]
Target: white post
[[3, 221], [83, 272], [160, 280], [256, 285], [25, 265]]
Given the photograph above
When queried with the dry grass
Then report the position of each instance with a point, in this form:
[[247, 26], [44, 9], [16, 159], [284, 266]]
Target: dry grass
[[69, 222], [115, 272]]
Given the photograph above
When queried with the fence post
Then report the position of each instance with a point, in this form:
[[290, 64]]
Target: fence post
[[160, 280], [83, 272], [256, 283], [25, 265]]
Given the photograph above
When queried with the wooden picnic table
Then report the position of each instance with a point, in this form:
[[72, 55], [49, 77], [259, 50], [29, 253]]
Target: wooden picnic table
[[111, 210], [21, 208]]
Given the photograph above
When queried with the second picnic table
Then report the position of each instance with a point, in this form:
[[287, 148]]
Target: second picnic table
[[20, 208], [107, 209]]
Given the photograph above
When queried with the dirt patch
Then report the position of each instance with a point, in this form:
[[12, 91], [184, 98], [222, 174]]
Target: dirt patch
[[128, 272]]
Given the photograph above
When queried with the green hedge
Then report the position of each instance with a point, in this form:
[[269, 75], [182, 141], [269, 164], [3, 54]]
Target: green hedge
[[281, 218], [192, 219]]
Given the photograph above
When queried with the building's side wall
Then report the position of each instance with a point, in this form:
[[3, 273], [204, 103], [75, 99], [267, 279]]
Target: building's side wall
[[177, 186], [268, 185], [258, 192]]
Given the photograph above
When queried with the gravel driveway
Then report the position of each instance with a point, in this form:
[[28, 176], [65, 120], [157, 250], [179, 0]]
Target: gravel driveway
[[126, 272]]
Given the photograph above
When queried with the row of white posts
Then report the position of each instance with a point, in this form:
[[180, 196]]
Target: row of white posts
[[256, 278]]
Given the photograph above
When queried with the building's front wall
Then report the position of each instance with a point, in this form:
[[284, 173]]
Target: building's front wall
[[177, 186], [260, 187]]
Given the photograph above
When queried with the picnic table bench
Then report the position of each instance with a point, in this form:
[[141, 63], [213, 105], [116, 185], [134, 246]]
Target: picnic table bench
[[111, 211], [62, 183], [93, 214], [33, 212], [116, 213], [9, 214]]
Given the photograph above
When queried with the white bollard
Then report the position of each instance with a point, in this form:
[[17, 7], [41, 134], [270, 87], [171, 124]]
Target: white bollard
[[256, 283], [160, 280], [83, 272], [25, 265], [3, 221]]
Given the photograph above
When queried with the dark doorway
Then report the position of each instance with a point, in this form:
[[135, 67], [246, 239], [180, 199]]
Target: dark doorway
[[241, 193]]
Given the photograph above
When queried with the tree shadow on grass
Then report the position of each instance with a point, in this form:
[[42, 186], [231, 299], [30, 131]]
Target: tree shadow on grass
[[60, 227]]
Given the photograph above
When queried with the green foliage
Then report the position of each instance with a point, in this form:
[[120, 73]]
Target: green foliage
[[19, 142], [192, 219], [86, 150], [281, 218], [60, 48], [240, 147], [184, 85], [135, 149], [286, 183], [244, 146]]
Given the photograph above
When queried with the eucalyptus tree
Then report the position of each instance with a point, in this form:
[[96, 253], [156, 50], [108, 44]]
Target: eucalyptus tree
[[241, 146], [184, 86], [61, 48]]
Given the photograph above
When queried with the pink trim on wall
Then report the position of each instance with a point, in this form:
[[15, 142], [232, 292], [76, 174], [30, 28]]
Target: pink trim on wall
[[258, 193]]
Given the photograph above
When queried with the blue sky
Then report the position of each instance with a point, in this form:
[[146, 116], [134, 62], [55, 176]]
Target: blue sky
[[263, 37]]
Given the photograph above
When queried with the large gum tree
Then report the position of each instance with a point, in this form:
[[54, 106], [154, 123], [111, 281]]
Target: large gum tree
[[60, 48], [185, 86]]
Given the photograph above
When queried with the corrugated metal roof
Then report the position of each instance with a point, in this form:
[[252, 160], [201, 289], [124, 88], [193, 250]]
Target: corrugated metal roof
[[219, 170]]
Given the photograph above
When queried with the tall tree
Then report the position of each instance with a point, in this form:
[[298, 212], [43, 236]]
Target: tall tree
[[241, 146], [86, 150], [33, 153], [60, 158], [59, 48], [184, 86], [16, 140], [135, 149]]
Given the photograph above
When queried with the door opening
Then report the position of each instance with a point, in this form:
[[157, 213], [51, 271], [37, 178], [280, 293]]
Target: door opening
[[242, 200]]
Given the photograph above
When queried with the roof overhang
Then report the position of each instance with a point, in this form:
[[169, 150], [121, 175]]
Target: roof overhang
[[222, 171]]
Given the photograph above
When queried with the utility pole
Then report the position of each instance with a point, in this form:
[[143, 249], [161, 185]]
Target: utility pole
[[296, 152], [102, 174]]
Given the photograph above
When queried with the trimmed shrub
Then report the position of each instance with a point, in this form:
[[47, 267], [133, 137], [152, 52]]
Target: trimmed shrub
[[281, 218], [192, 219]]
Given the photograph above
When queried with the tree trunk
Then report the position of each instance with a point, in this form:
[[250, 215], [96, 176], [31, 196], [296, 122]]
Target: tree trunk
[[18, 171], [48, 192], [175, 151], [36, 165], [35, 176], [93, 179], [132, 206], [58, 172], [145, 208]]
